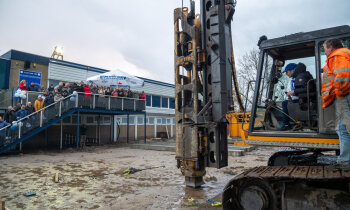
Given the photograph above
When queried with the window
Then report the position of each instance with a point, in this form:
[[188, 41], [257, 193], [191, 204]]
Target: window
[[168, 121], [89, 119], [155, 101], [131, 120], [106, 120], [124, 120], [172, 103], [164, 102], [96, 119], [140, 120], [163, 121], [148, 100], [151, 120], [159, 121], [173, 121]]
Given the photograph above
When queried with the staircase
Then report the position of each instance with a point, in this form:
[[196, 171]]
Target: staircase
[[32, 124]]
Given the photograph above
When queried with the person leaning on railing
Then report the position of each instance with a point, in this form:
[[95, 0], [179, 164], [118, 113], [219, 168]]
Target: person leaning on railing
[[3, 131], [10, 115]]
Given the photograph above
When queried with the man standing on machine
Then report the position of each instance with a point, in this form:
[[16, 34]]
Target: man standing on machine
[[336, 87]]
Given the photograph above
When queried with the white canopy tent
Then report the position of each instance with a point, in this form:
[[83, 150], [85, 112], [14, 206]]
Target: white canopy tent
[[116, 79]]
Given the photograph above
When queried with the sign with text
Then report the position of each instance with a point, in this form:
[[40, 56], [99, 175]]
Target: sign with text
[[30, 76]]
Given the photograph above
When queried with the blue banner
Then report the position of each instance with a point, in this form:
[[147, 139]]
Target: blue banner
[[30, 76]]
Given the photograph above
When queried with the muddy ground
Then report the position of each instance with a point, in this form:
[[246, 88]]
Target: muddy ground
[[94, 179]]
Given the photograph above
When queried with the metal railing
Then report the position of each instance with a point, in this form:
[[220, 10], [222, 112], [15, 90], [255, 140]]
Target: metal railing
[[19, 128]]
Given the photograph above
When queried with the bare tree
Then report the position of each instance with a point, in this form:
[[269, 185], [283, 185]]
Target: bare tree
[[246, 71]]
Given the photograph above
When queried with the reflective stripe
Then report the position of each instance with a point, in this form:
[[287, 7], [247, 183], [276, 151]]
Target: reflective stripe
[[341, 70], [345, 52], [327, 79], [342, 79], [325, 93]]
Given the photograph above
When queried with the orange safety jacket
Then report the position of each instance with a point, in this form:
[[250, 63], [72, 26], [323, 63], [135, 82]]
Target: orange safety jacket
[[336, 76]]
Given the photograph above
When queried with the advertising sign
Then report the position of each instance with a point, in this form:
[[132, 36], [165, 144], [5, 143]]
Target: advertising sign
[[30, 76]]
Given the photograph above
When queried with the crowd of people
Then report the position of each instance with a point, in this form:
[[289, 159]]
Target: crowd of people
[[52, 94], [63, 90]]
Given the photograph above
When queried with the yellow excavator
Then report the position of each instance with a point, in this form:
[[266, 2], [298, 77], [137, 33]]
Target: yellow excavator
[[206, 89]]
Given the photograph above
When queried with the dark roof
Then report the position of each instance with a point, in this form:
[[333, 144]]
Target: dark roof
[[24, 56], [306, 36]]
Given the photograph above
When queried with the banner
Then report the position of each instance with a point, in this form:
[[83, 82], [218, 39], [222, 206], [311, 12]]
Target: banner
[[116, 79], [30, 76]]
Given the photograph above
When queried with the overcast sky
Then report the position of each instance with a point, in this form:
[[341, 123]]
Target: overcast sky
[[137, 36]]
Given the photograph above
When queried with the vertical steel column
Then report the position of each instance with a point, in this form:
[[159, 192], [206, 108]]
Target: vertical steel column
[[78, 129], [99, 129], [127, 129], [61, 136], [145, 127]]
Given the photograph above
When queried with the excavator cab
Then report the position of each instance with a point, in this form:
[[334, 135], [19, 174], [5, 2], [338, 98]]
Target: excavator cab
[[305, 113]]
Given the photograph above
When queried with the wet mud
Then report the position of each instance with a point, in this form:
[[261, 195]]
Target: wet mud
[[95, 179]]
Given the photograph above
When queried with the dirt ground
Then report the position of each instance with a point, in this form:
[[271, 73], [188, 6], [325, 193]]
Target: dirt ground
[[94, 179]]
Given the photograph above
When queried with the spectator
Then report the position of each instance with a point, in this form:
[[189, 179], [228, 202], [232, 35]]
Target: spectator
[[87, 96], [49, 99], [81, 87], [10, 115], [101, 90], [23, 85], [108, 91], [42, 89], [39, 103], [65, 92], [130, 94], [121, 92], [36, 88], [142, 96], [57, 97], [115, 92], [68, 88], [50, 111], [18, 107], [30, 109], [94, 89], [59, 87], [3, 132], [32, 87], [21, 113], [51, 88]]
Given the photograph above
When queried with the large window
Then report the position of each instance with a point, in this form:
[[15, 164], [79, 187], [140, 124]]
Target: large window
[[155, 101], [164, 102], [151, 120], [172, 103], [148, 100]]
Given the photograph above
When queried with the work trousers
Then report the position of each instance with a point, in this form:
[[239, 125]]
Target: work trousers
[[342, 107]]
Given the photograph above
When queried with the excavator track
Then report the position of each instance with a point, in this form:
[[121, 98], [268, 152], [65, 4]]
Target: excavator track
[[289, 187]]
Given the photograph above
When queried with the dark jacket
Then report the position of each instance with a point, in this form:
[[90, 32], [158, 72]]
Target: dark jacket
[[301, 79], [21, 113], [30, 109], [64, 93], [2, 125], [32, 88], [49, 100], [10, 116]]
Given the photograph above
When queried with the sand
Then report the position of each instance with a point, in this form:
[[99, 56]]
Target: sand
[[94, 179]]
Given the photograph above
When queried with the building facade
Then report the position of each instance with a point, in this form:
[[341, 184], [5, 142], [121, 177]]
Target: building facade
[[16, 65]]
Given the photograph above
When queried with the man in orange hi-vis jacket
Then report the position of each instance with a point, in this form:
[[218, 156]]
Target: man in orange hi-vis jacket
[[336, 87]]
